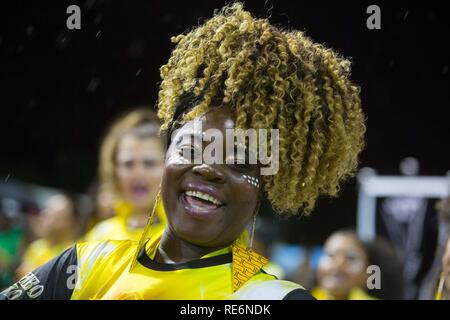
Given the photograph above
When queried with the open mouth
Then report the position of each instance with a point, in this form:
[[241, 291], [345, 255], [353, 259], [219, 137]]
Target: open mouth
[[200, 199], [336, 278], [139, 191], [199, 203]]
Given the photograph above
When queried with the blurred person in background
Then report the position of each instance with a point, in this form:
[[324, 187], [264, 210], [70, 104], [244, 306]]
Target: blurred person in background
[[11, 240], [434, 286], [58, 231], [382, 253], [411, 225], [130, 169], [102, 203], [234, 71], [342, 269]]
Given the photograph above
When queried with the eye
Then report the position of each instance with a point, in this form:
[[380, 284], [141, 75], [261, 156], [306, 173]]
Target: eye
[[128, 164], [352, 257], [187, 149], [329, 255], [188, 152], [150, 163]]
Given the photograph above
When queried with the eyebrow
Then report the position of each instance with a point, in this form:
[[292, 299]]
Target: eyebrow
[[132, 158], [180, 139]]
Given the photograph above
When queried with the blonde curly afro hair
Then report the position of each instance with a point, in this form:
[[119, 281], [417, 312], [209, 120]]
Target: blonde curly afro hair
[[274, 79]]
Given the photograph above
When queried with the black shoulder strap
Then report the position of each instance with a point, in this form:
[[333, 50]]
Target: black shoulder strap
[[299, 294], [54, 280]]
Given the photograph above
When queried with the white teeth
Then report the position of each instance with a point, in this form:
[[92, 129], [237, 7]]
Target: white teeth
[[203, 196]]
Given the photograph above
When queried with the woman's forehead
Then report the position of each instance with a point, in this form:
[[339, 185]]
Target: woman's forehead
[[219, 118], [222, 117], [342, 241]]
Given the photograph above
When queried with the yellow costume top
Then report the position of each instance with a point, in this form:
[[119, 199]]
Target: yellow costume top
[[116, 228], [103, 272], [355, 294], [39, 252]]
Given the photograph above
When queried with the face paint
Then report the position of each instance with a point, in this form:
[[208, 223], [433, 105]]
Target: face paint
[[209, 227], [252, 180], [178, 152]]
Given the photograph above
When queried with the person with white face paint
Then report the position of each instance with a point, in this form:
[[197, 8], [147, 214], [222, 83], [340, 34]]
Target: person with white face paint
[[58, 224], [234, 71]]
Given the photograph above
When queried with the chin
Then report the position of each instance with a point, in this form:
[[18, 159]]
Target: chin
[[194, 234], [142, 204]]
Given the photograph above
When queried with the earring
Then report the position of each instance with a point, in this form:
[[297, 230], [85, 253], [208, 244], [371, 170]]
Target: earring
[[252, 234], [246, 263], [252, 180], [144, 235]]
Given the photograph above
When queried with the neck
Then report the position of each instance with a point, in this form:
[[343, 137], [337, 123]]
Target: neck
[[59, 238], [175, 250]]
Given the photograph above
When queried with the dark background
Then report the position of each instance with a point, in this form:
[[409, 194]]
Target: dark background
[[60, 88]]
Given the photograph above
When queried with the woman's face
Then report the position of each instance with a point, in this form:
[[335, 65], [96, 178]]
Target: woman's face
[[208, 205], [139, 166], [343, 266]]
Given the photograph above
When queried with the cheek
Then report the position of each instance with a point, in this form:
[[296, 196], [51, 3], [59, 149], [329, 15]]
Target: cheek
[[122, 176], [242, 206], [123, 182], [356, 269], [170, 174], [174, 156], [154, 175], [165, 181], [158, 172], [325, 265], [170, 177], [245, 197]]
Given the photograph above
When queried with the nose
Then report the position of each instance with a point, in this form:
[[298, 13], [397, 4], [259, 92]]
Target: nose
[[209, 173], [339, 261], [139, 170]]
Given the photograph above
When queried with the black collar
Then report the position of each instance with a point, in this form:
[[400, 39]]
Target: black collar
[[145, 260]]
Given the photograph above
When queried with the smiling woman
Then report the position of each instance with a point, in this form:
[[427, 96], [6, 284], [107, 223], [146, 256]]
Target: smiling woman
[[232, 72], [208, 205], [342, 269]]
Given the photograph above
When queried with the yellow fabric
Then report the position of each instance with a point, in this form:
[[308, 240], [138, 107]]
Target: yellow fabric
[[355, 294], [261, 289], [104, 273], [40, 252], [116, 228]]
